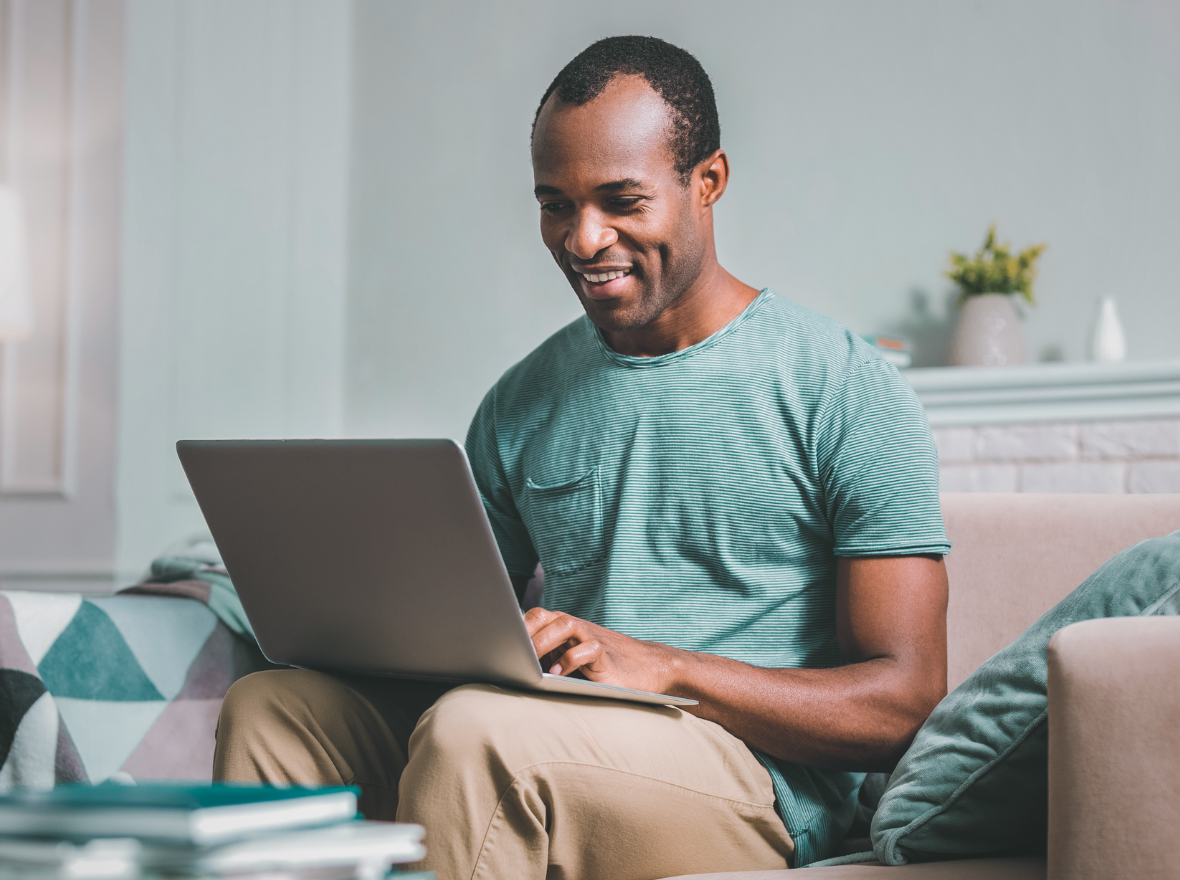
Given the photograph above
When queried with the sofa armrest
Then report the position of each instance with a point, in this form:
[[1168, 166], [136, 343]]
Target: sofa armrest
[[1114, 749]]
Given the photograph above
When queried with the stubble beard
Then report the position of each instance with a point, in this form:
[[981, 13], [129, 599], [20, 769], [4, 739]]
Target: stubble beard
[[653, 302], [678, 276]]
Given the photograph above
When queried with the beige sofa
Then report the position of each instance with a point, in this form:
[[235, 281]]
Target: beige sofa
[[1114, 685]]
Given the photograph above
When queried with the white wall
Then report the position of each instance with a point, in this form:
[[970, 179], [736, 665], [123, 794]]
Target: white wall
[[234, 248], [867, 140], [296, 267]]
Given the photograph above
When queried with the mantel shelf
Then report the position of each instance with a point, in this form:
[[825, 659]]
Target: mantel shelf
[[1047, 393]]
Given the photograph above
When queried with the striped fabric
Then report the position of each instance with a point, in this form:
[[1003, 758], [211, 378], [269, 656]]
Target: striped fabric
[[701, 498]]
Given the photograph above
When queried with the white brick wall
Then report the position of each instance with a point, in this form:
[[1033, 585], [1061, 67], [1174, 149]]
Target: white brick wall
[[955, 444], [1158, 439], [1107, 457], [1027, 443], [979, 478], [1155, 476], [1081, 476]]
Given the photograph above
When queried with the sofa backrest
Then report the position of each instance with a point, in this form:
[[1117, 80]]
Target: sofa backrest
[[1017, 555]]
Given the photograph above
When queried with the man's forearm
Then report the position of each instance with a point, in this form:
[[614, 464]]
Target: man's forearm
[[891, 625], [891, 630], [857, 717]]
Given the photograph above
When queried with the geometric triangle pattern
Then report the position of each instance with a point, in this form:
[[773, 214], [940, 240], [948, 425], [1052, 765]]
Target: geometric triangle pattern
[[31, 756], [12, 651], [224, 658], [107, 732], [41, 617], [67, 766], [170, 749], [131, 683], [209, 676], [163, 654], [18, 692], [90, 660]]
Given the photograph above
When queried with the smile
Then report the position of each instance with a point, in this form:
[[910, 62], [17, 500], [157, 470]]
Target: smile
[[602, 277]]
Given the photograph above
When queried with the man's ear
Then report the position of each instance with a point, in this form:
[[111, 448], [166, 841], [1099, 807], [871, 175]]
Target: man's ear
[[712, 176]]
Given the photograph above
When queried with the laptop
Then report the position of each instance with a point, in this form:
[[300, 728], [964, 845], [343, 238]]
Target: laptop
[[372, 557]]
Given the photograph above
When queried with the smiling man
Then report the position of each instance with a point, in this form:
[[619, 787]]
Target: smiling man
[[733, 499]]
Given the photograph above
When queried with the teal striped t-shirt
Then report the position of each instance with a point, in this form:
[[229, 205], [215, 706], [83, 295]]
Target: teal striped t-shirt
[[700, 498]]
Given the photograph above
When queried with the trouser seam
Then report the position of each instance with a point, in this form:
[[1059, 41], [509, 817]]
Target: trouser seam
[[632, 773], [516, 779]]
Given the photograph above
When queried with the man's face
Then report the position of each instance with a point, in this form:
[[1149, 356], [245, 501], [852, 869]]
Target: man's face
[[614, 213]]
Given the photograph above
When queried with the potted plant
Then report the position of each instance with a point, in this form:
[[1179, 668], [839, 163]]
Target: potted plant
[[989, 332]]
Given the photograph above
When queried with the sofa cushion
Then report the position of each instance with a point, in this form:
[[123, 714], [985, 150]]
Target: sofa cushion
[[975, 780], [1016, 555]]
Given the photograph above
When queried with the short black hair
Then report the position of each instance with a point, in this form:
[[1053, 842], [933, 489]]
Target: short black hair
[[674, 74]]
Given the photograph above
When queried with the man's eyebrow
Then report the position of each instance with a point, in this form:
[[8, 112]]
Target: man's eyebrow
[[616, 185], [610, 186]]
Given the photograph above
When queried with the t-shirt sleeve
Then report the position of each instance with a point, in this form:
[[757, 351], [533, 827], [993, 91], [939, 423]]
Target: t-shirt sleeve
[[879, 466], [483, 451]]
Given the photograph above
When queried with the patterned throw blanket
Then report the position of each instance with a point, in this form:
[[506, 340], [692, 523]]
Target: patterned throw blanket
[[124, 684]]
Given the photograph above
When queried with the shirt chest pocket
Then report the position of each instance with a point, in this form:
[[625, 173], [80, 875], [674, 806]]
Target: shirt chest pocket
[[565, 523]]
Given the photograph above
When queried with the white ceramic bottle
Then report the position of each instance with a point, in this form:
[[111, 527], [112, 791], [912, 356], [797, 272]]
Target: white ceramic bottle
[[1108, 343]]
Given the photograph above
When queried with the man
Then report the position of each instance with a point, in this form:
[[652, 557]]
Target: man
[[733, 499]]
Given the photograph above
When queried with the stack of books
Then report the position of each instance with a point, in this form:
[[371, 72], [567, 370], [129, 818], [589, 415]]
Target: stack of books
[[892, 350], [121, 832]]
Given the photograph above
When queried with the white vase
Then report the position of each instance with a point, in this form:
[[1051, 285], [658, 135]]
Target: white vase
[[989, 333], [1108, 344]]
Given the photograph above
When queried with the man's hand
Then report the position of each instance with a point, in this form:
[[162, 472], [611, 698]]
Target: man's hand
[[567, 645], [891, 629]]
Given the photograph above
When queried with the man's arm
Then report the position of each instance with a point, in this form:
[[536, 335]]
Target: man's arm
[[891, 626]]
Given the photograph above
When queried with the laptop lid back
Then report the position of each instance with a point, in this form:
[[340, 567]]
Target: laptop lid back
[[363, 556]]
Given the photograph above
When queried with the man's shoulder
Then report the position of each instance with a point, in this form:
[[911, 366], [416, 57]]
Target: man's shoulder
[[811, 343]]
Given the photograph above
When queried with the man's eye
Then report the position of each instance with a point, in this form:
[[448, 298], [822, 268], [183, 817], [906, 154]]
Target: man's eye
[[552, 207], [625, 202]]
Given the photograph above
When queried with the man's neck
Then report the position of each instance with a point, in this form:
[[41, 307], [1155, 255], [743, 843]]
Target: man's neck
[[711, 302]]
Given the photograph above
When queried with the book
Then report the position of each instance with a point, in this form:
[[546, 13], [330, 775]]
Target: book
[[893, 351], [199, 815], [350, 849], [374, 844]]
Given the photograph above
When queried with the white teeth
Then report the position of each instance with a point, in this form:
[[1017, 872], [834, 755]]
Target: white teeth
[[605, 276]]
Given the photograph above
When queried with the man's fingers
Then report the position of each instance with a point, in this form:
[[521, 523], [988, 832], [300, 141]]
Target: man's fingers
[[581, 656], [566, 645], [554, 632], [535, 618], [563, 642]]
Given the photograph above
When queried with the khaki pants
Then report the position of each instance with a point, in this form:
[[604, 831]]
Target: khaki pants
[[514, 785]]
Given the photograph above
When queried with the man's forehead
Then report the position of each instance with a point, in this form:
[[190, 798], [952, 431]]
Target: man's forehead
[[619, 131], [619, 184]]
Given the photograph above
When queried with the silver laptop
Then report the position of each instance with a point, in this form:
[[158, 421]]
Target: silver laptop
[[370, 556]]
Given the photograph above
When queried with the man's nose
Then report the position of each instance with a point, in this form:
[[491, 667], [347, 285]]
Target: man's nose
[[589, 235]]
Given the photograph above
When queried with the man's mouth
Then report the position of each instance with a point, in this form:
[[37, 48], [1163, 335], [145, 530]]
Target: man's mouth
[[603, 283], [601, 277]]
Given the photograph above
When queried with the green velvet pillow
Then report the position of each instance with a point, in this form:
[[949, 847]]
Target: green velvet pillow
[[975, 780]]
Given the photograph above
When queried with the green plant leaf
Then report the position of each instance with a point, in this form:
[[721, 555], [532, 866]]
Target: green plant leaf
[[994, 269]]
